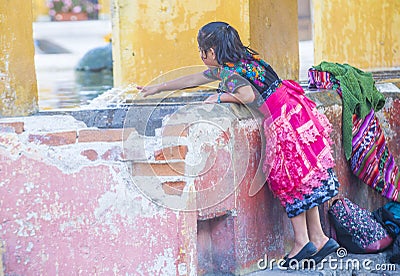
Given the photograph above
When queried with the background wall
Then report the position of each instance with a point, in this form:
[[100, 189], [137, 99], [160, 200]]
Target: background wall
[[365, 34], [18, 87], [154, 37]]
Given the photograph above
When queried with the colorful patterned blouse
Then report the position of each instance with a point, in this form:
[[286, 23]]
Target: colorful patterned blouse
[[250, 71]]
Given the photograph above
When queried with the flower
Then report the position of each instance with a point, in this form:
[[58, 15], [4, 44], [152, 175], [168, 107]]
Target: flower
[[74, 6]]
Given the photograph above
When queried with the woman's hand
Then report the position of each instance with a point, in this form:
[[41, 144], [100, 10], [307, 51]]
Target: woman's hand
[[187, 81], [149, 90], [212, 99]]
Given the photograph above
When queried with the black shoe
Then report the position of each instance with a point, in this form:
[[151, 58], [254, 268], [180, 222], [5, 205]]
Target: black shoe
[[305, 253], [330, 246]]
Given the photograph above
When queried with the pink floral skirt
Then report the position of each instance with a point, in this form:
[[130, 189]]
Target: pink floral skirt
[[298, 159]]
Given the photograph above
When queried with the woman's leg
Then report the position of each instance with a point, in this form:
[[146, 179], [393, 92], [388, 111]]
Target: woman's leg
[[315, 232], [299, 225]]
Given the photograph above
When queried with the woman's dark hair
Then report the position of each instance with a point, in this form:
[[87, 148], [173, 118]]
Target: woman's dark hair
[[225, 41]]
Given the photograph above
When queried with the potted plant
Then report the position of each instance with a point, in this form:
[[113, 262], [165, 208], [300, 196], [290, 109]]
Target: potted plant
[[72, 10]]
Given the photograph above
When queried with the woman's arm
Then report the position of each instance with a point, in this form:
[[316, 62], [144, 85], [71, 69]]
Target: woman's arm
[[192, 80], [242, 95]]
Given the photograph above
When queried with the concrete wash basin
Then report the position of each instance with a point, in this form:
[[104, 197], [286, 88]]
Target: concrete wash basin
[[199, 161]]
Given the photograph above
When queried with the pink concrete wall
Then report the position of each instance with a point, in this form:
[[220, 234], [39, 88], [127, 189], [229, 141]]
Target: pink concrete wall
[[67, 206], [79, 200]]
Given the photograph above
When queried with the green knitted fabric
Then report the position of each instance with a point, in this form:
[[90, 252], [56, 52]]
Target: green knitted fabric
[[359, 95]]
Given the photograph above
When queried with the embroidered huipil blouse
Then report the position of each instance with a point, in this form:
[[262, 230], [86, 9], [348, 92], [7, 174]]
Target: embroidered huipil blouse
[[250, 71]]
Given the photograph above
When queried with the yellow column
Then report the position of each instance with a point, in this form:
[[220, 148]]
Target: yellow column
[[152, 37], [365, 34], [18, 88], [40, 10], [105, 9], [274, 34]]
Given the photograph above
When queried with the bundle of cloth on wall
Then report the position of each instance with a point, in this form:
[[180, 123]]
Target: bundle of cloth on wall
[[389, 216], [363, 139]]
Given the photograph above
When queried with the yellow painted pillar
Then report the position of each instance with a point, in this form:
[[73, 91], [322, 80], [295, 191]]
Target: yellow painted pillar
[[274, 34], [40, 10], [365, 34], [105, 9], [152, 37], [18, 87]]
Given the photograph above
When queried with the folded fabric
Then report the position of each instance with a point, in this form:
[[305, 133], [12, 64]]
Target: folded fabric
[[370, 158], [359, 96], [323, 80], [319, 79]]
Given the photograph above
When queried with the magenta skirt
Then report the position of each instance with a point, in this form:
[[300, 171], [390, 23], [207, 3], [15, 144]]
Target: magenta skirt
[[298, 152]]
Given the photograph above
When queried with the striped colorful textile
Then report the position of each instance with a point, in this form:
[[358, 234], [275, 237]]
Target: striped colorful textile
[[371, 160], [319, 79], [323, 80]]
